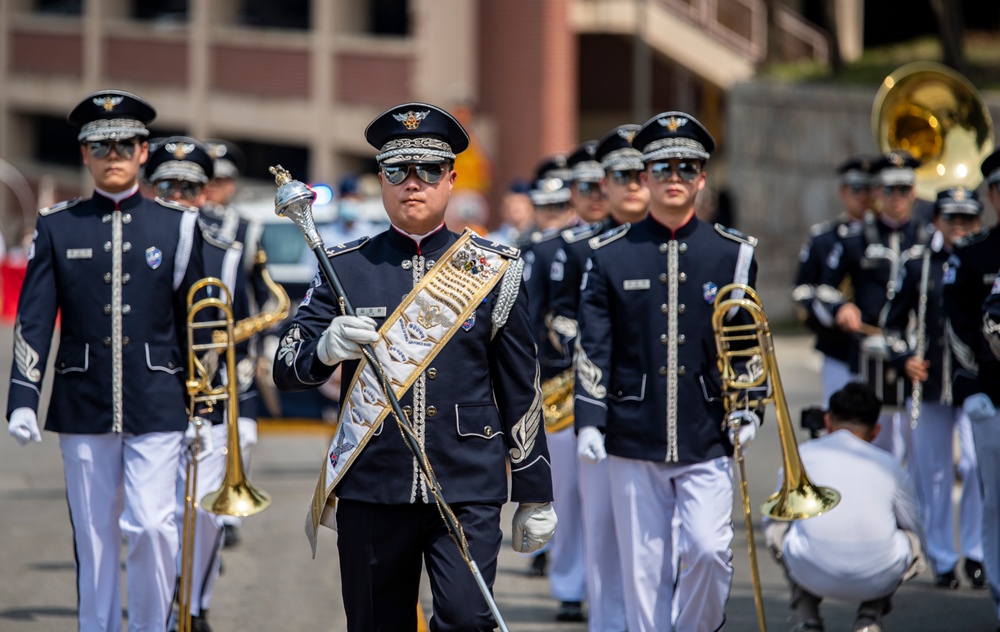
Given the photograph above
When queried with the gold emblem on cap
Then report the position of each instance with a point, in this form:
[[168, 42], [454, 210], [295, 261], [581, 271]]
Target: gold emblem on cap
[[627, 134], [896, 159], [411, 120], [959, 193], [179, 150], [672, 122], [108, 102]]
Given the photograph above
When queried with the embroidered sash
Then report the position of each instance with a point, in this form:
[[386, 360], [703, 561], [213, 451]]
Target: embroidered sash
[[410, 339]]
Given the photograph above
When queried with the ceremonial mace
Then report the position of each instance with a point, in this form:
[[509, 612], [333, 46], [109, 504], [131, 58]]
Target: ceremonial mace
[[294, 200]]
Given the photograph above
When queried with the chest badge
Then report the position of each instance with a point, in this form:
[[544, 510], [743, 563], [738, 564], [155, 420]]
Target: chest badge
[[154, 257], [709, 291], [469, 322]]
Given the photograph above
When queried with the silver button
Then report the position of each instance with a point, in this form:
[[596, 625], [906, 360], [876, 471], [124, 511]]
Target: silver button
[[127, 246], [126, 309], [663, 278], [431, 411], [126, 218], [107, 341], [170, 365], [681, 370], [681, 308], [407, 264], [663, 339], [106, 218], [681, 339], [663, 370], [432, 373], [126, 341], [682, 248], [408, 410], [107, 310], [682, 277], [430, 263], [107, 246], [663, 308], [107, 277], [663, 249], [126, 278], [488, 431]]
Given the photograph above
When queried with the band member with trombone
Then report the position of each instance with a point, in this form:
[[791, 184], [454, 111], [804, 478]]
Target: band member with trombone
[[855, 178], [970, 280], [929, 410], [871, 256], [865, 547], [117, 267], [648, 385], [451, 317]]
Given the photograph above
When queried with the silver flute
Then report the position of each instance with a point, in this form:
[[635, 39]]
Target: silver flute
[[918, 387]]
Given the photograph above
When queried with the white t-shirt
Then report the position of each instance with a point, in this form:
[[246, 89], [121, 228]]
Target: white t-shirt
[[857, 550]]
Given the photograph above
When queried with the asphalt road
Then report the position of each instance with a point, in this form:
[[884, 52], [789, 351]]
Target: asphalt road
[[270, 581]]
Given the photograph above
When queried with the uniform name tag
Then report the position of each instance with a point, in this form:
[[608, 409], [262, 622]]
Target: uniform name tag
[[636, 284], [371, 312], [80, 253]]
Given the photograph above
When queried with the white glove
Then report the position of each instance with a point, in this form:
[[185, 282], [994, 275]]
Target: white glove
[[534, 524], [590, 445], [978, 407], [23, 426], [202, 436], [342, 340], [248, 432], [748, 424]]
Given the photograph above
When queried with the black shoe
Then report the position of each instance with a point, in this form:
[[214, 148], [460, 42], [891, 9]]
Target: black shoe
[[538, 564], [974, 571], [199, 622], [947, 580], [231, 535], [570, 611]]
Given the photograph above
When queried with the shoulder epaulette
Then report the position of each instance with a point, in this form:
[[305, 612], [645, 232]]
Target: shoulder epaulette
[[607, 237], [735, 235], [60, 206], [579, 233], [544, 235], [974, 238], [177, 206], [215, 241], [501, 249], [849, 229], [824, 227], [333, 251]]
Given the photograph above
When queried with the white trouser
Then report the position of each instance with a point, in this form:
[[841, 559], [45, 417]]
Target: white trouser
[[206, 563], [123, 485], [987, 439], [835, 376], [606, 611], [896, 435], [567, 569], [645, 496], [933, 460]]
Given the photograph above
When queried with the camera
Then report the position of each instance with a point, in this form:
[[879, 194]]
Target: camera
[[812, 420]]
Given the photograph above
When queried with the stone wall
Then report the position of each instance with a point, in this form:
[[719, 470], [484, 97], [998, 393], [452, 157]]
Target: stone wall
[[783, 145]]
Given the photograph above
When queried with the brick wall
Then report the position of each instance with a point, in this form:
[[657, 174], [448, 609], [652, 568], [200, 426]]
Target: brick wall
[[162, 63], [46, 53], [373, 79], [262, 72]]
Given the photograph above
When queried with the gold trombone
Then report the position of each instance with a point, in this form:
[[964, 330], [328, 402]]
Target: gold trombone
[[799, 497], [236, 496]]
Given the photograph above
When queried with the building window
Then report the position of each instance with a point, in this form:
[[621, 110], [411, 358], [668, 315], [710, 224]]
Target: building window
[[389, 17], [160, 10], [261, 156], [59, 7], [55, 141], [287, 14]]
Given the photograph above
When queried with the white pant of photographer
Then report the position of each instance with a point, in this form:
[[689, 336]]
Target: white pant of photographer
[[123, 485], [567, 572], [605, 598], [987, 438], [646, 495]]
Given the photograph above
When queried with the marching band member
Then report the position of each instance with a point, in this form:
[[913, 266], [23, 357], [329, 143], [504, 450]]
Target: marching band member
[[870, 543], [835, 344], [956, 214], [117, 267], [647, 385], [870, 255], [970, 279], [450, 314]]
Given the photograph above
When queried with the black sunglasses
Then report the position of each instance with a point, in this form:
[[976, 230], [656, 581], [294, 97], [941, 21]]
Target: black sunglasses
[[100, 148], [623, 178], [396, 174], [859, 188], [901, 189], [168, 188], [686, 171], [587, 188]]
